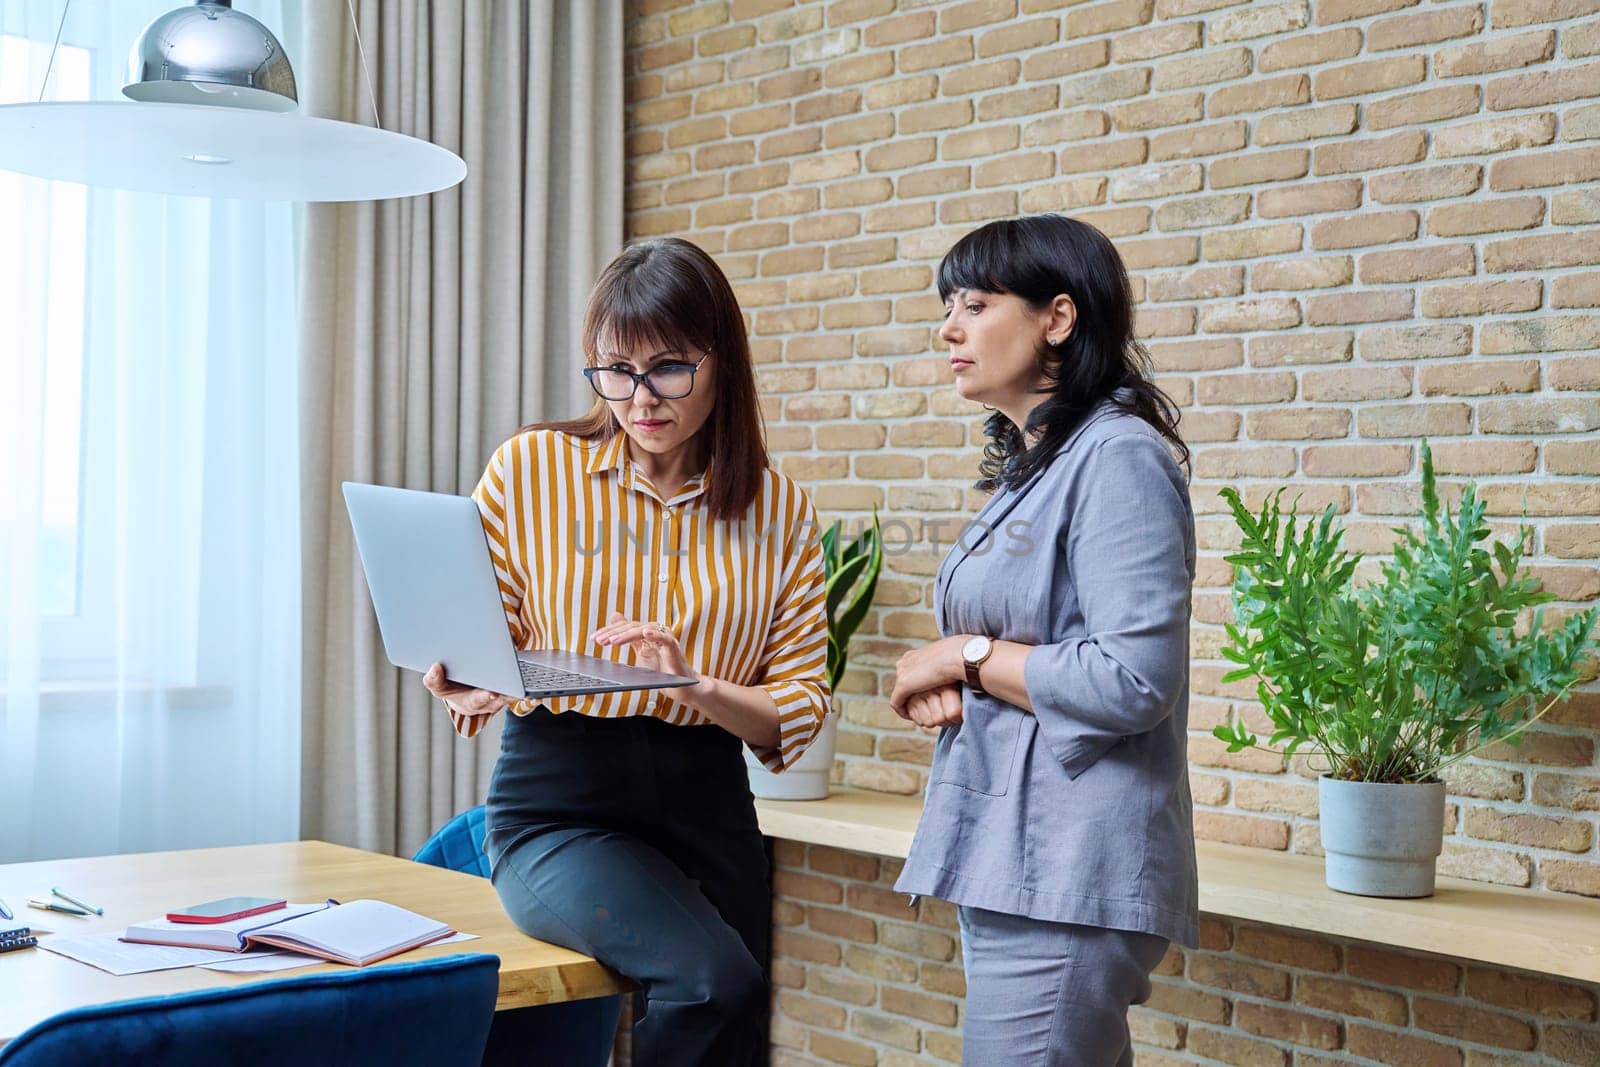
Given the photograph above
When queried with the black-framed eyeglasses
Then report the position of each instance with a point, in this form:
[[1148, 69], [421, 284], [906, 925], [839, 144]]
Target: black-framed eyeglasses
[[671, 379]]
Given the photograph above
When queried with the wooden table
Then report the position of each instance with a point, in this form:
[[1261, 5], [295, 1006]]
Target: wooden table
[[35, 984], [1550, 933]]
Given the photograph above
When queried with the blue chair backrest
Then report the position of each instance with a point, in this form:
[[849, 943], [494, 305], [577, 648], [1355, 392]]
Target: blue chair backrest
[[435, 1013], [458, 844]]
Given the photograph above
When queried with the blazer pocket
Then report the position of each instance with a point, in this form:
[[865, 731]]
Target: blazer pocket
[[980, 754]]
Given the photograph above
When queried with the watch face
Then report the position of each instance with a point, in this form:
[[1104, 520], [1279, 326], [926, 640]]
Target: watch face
[[974, 649]]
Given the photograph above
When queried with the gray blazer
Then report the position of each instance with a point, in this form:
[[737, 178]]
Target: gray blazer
[[1079, 812]]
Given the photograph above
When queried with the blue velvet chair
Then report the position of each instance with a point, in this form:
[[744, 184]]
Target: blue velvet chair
[[578, 1033], [435, 1013]]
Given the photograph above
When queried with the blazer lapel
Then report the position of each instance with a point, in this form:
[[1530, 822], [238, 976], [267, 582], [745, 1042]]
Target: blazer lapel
[[993, 513]]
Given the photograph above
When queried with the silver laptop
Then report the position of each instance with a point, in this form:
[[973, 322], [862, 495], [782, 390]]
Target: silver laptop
[[434, 588]]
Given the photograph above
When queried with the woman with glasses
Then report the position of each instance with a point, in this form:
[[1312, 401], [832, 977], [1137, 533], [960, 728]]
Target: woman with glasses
[[1058, 811], [652, 530]]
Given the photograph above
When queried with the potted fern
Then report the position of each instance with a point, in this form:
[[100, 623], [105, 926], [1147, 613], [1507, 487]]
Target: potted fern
[[1388, 684], [851, 576]]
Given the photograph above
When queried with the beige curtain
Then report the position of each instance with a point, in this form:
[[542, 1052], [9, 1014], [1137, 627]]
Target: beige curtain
[[431, 328]]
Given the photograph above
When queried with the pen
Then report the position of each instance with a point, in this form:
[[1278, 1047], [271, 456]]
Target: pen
[[46, 905], [70, 899], [5, 912]]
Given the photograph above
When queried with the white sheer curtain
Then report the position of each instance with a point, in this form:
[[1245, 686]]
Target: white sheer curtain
[[149, 512]]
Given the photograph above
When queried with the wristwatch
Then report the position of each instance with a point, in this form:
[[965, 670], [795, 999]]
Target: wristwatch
[[973, 654]]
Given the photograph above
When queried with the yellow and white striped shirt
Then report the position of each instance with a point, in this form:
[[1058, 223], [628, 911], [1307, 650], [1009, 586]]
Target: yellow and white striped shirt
[[577, 531]]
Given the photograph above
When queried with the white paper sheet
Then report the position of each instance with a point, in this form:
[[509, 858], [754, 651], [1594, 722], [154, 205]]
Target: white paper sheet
[[117, 957], [265, 962]]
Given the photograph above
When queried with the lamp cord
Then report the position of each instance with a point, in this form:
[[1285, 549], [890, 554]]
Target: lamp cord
[[52, 61], [362, 53]]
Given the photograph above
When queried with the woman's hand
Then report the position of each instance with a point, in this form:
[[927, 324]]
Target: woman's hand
[[655, 646], [463, 699], [932, 666], [934, 708]]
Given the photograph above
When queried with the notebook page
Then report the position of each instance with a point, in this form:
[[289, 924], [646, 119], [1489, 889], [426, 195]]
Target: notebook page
[[359, 929]]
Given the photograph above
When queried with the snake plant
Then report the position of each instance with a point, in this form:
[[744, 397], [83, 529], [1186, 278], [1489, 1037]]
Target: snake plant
[[851, 579]]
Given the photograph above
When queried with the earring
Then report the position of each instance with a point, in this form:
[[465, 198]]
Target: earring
[[1053, 340]]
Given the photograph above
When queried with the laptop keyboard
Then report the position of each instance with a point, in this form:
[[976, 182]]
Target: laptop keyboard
[[540, 679]]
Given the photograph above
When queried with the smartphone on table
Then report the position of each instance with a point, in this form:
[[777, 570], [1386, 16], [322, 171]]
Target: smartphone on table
[[226, 909]]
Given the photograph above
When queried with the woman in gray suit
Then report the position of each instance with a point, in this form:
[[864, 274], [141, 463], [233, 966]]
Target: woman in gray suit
[[1058, 814]]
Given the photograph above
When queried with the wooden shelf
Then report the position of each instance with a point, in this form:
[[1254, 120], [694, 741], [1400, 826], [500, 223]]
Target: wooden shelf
[[1543, 932]]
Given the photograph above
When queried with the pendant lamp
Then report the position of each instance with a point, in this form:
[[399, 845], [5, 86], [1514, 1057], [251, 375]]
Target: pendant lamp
[[213, 112]]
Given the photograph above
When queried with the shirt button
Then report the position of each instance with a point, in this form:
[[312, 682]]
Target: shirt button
[[662, 579]]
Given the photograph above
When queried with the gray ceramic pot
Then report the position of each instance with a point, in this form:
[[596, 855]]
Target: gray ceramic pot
[[1381, 840]]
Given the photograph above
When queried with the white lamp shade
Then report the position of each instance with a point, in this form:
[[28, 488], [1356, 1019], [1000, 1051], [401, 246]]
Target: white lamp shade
[[223, 152]]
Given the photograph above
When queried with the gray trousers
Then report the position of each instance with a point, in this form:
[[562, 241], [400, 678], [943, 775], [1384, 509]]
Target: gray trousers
[[1047, 994]]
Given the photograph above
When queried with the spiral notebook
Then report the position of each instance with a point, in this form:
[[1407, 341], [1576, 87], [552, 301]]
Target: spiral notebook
[[358, 932]]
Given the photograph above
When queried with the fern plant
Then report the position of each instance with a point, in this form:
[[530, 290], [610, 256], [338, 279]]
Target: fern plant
[[1396, 680], [851, 577]]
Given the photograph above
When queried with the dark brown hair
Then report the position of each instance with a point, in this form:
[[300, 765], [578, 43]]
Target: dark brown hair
[[1037, 258], [668, 293]]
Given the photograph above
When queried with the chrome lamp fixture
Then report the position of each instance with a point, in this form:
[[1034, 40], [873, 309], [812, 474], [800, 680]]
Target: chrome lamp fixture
[[212, 112]]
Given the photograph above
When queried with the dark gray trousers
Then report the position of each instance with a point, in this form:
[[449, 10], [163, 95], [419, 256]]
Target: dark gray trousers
[[1047, 994], [636, 842]]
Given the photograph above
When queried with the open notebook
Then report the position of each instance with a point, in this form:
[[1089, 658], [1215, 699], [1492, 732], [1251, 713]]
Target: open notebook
[[358, 932]]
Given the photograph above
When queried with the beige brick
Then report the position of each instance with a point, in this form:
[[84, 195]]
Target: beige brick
[[1426, 183], [1538, 88], [1310, 50], [1276, 798], [1574, 373], [1071, 126], [1409, 31], [1240, 830], [1017, 104], [1487, 57], [1538, 831], [1066, 60], [1475, 779], [1258, 20], [1151, 182], [1095, 19], [1368, 76], [1571, 876], [1018, 37], [1282, 165], [1252, 242], [1482, 298], [1209, 751], [1479, 379], [1417, 264], [1331, 11], [841, 1050], [1117, 222], [1426, 106], [1322, 272], [1536, 170], [1355, 461], [1313, 199], [936, 1010], [1334, 309], [1507, 14], [1200, 284], [1400, 1050], [1581, 40], [1486, 216], [1160, 111], [1571, 541], [1163, 322], [1530, 994], [1212, 139], [1324, 346], [1233, 1048], [1156, 41], [1545, 334], [1242, 316], [1110, 155], [1495, 135], [1396, 149], [1261, 94], [1064, 196], [1368, 228], [1335, 120], [1365, 383], [1208, 67], [988, 141]]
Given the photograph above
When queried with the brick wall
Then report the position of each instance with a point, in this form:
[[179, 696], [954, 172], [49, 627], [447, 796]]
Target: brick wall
[[1349, 223]]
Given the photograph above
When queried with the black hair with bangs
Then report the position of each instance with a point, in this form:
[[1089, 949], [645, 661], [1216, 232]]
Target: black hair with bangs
[[1037, 258]]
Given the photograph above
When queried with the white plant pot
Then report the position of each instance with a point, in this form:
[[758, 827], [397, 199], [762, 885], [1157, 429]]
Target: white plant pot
[[1381, 839], [808, 779]]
